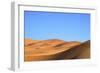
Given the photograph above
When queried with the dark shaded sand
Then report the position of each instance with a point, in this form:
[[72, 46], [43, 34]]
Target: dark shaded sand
[[53, 49], [84, 51]]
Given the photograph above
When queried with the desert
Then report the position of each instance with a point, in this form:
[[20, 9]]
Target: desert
[[55, 49]]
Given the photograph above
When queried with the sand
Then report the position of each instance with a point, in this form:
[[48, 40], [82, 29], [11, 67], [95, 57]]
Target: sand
[[54, 49]]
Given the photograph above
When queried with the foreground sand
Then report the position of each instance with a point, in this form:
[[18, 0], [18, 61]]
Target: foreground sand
[[55, 49]]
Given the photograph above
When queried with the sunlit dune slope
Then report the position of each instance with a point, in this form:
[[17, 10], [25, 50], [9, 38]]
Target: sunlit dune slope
[[29, 42], [52, 49]]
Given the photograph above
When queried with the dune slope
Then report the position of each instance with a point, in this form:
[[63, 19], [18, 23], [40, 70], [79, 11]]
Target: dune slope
[[52, 49]]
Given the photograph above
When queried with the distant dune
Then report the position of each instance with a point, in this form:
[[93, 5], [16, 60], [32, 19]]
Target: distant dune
[[55, 49]]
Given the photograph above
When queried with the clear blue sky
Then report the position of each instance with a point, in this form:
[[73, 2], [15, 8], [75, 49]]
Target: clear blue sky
[[57, 25]]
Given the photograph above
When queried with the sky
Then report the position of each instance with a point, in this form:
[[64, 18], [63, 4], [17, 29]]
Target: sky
[[39, 25]]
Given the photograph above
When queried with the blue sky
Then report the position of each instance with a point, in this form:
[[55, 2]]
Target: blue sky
[[57, 25]]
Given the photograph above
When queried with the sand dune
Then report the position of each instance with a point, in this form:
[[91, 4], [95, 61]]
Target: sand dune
[[53, 49], [30, 41], [81, 51], [84, 51]]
